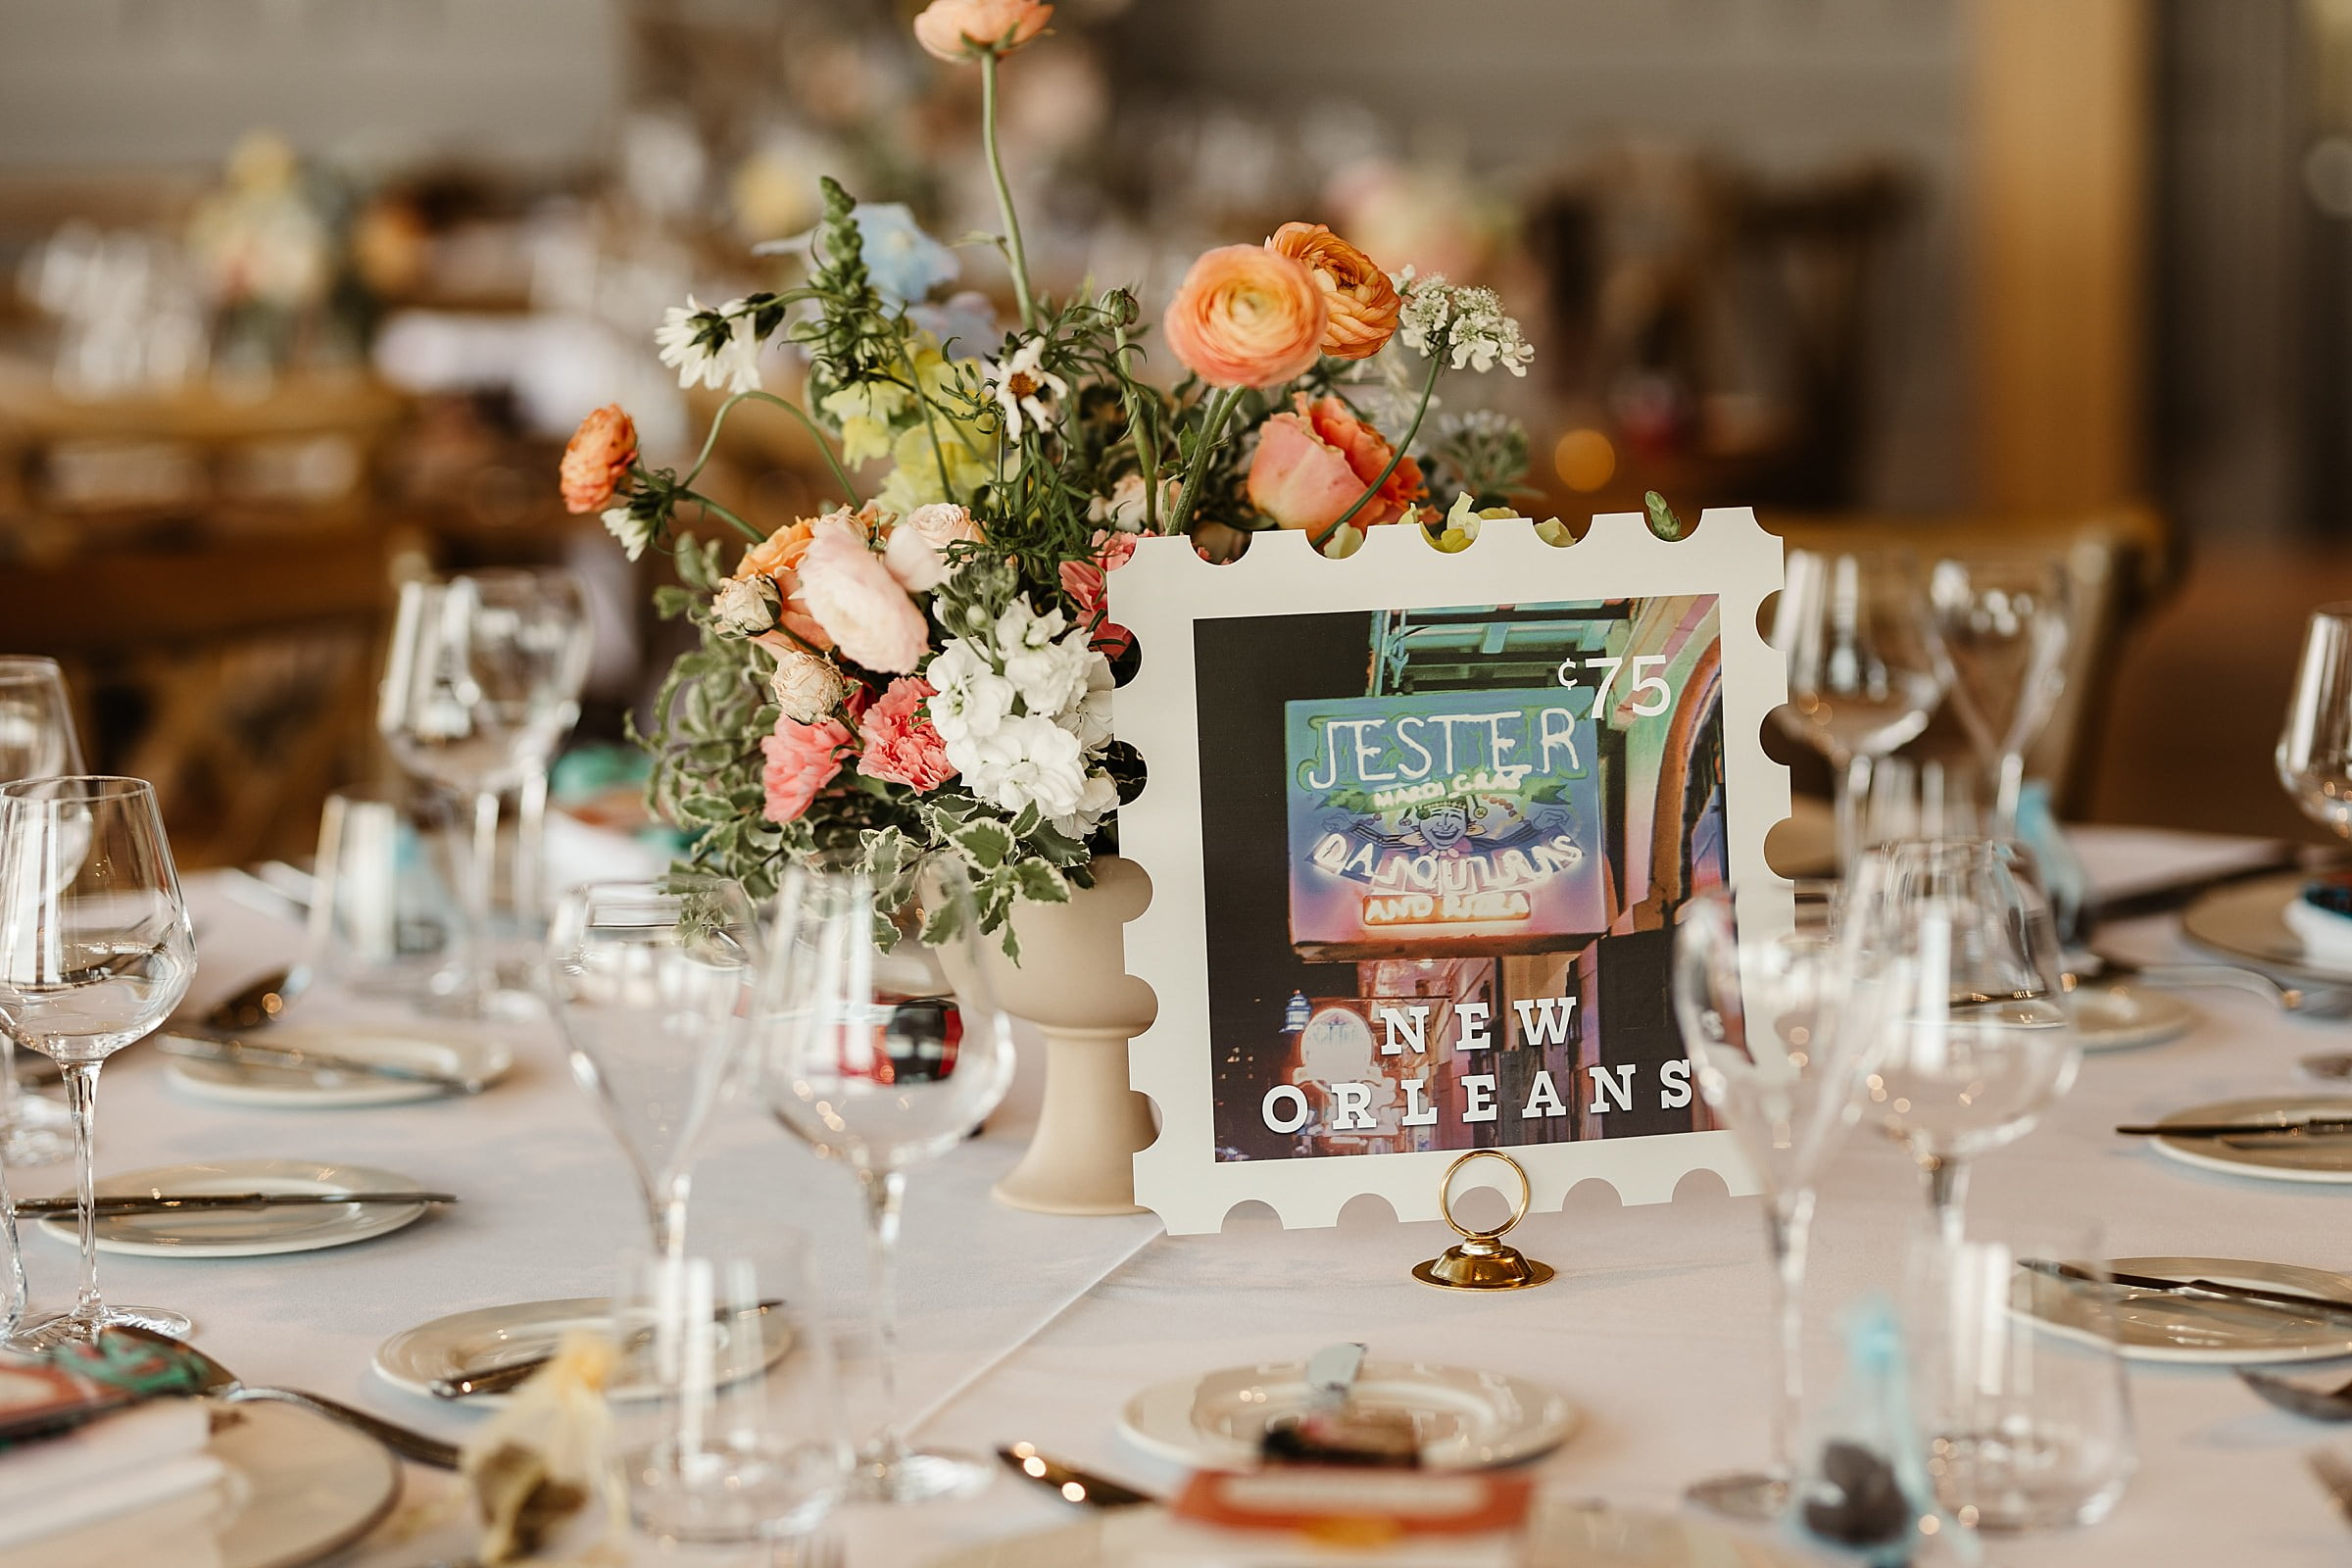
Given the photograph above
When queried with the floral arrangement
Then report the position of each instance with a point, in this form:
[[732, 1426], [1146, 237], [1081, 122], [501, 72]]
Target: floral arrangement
[[928, 667]]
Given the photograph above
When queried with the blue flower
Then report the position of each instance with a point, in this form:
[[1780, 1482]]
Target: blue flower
[[904, 263], [966, 324]]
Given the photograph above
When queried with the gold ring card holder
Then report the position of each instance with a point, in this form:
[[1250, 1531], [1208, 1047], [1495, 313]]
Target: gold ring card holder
[[1482, 1260]]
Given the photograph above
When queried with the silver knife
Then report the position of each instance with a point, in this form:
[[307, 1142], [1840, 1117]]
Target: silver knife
[[187, 1202], [1067, 1481], [238, 1053], [2214, 1289], [1330, 1374], [2304, 1127]]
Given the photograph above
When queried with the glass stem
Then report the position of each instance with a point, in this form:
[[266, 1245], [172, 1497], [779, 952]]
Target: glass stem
[[82, 1093], [530, 839], [885, 1193], [1853, 799], [2010, 789], [1789, 1224], [13, 1292], [480, 890], [669, 1217], [8, 1082], [1946, 1177]]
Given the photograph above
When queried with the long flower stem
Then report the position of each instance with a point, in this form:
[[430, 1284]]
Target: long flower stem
[[840, 475], [1017, 258], [1213, 432], [938, 454], [741, 527], [1436, 362], [1147, 443]]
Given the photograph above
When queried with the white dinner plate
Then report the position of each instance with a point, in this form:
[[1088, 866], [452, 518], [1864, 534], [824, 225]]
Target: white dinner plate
[[308, 1486], [248, 1232], [2248, 921], [1465, 1418], [305, 1089], [2325, 1159], [2118, 1016], [488, 1336], [1562, 1534], [2152, 1326]]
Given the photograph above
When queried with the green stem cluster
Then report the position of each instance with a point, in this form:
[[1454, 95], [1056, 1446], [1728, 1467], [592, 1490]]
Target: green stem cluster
[[1221, 403], [1429, 385]]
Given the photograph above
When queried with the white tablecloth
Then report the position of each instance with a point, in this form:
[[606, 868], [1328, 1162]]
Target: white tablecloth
[[1021, 1326]]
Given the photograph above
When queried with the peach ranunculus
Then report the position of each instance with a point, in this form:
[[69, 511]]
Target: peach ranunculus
[[859, 605], [966, 29], [1244, 315], [802, 759], [901, 745], [597, 459], [915, 552], [1310, 467], [1363, 303], [778, 557]]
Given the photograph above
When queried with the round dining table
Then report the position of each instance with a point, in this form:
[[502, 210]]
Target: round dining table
[[1027, 1327]]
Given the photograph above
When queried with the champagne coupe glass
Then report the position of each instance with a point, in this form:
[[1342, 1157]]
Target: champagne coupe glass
[[1866, 669], [1760, 989], [2315, 750], [652, 985], [1957, 960], [95, 952], [481, 685], [37, 739], [2005, 621], [883, 1049]]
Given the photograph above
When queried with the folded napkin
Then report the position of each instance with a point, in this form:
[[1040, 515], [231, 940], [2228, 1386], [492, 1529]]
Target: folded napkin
[[177, 1532], [144, 1457]]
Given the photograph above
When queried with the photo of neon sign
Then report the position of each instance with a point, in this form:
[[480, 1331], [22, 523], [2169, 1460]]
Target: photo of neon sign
[[1460, 821]]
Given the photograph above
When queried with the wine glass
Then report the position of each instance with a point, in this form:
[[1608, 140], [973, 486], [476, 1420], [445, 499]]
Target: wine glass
[[882, 1048], [652, 986], [1866, 668], [1760, 989], [481, 684], [1957, 966], [2315, 750], [37, 739], [2005, 621], [95, 952]]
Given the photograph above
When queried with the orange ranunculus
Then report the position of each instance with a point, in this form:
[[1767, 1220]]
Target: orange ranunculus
[[1363, 302], [596, 462], [1247, 316], [778, 556], [1310, 467], [966, 29]]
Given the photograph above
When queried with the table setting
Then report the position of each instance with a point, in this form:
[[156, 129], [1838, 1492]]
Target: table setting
[[1173, 1016]]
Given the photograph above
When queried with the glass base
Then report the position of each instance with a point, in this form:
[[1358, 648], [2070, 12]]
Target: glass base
[[749, 1490], [919, 1476], [1752, 1496], [40, 1133], [474, 1006], [68, 1328]]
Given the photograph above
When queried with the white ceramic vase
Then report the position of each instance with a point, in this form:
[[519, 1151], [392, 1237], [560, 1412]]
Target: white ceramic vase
[[1072, 983]]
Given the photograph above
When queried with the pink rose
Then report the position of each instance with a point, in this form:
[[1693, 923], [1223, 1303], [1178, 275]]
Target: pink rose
[[802, 759], [965, 29], [901, 745], [1083, 581], [1310, 467], [1246, 316], [916, 555], [859, 605]]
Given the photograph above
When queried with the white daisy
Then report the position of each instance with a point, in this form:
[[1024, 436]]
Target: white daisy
[[707, 346], [1025, 388]]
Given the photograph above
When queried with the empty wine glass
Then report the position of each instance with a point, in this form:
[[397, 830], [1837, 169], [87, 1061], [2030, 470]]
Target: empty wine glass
[[95, 952], [882, 1049], [1866, 669], [1957, 960], [1760, 989], [652, 986], [481, 684], [2005, 620], [2315, 750], [37, 739]]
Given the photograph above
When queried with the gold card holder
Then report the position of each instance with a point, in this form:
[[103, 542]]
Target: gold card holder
[[1482, 1260]]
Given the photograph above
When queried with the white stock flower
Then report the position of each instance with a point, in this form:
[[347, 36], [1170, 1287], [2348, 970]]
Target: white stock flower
[[1095, 802], [633, 532], [1089, 718], [1044, 658], [974, 701], [731, 361], [1026, 389], [1029, 760], [747, 605], [807, 687]]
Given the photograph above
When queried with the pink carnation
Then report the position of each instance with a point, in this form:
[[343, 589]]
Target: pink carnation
[[802, 759], [901, 745], [1083, 582], [859, 605]]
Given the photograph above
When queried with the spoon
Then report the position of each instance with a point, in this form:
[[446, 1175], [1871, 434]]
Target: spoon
[[2319, 1405], [262, 1001]]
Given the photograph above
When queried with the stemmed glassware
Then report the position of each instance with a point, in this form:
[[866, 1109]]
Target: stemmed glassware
[[2315, 749], [1761, 991], [652, 985], [37, 739], [1866, 669], [1957, 961], [2005, 621], [481, 685], [882, 1049], [95, 952]]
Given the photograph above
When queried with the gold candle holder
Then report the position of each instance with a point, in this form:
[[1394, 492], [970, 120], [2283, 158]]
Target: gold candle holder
[[1482, 1260]]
